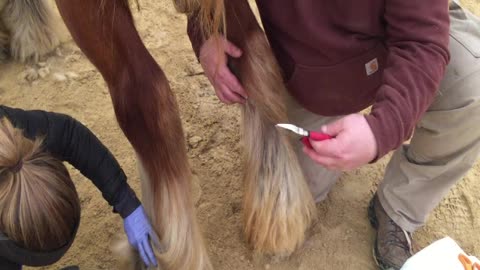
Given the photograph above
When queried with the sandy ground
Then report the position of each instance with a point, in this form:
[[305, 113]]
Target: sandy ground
[[342, 239]]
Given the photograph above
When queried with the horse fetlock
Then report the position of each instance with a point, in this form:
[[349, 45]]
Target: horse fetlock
[[169, 205]]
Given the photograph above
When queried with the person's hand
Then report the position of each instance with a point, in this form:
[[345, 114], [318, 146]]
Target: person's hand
[[139, 232], [353, 144], [213, 57]]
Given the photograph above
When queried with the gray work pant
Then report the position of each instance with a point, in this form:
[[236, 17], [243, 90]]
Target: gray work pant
[[445, 144]]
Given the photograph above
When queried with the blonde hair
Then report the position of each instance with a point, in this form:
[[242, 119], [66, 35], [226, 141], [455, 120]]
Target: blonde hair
[[39, 203]]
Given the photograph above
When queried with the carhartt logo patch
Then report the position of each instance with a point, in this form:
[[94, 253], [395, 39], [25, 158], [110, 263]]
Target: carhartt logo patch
[[371, 67]]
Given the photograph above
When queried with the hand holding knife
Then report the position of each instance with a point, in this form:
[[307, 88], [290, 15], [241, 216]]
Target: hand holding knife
[[305, 134]]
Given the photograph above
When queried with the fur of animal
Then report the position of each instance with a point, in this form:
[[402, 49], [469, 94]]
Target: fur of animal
[[147, 112], [278, 206], [28, 29]]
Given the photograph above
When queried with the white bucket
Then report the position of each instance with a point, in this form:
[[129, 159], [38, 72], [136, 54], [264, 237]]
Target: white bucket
[[440, 255]]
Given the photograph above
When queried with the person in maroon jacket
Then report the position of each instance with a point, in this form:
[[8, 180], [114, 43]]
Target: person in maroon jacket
[[340, 57]]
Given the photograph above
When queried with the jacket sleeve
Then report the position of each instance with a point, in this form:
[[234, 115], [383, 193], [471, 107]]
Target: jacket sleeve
[[417, 42], [70, 141]]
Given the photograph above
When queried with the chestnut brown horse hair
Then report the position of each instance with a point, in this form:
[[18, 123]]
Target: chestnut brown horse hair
[[278, 207], [33, 30], [209, 13], [148, 114], [39, 203]]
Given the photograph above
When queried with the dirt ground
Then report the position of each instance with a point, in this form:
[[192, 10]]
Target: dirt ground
[[342, 239]]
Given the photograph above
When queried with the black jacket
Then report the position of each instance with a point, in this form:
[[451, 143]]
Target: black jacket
[[68, 140]]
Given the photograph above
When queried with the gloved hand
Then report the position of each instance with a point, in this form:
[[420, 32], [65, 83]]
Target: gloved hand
[[139, 232]]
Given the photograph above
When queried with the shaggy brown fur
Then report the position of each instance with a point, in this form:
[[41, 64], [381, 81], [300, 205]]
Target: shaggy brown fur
[[278, 206], [148, 115], [29, 29]]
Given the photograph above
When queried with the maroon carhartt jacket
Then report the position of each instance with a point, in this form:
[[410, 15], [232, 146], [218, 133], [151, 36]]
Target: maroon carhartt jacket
[[341, 56]]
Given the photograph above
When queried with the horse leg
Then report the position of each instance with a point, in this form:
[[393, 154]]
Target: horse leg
[[33, 28], [278, 205], [147, 112]]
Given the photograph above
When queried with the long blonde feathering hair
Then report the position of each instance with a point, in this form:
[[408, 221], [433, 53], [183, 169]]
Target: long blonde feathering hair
[[278, 207], [39, 203]]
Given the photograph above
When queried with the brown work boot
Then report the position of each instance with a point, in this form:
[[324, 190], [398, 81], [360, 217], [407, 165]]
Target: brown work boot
[[393, 245]]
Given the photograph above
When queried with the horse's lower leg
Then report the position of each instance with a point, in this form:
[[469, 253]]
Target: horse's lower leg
[[148, 115], [33, 28], [278, 206]]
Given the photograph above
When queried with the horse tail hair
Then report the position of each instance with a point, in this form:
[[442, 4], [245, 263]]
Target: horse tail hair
[[278, 206]]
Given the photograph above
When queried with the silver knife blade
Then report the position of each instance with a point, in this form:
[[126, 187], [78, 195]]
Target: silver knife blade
[[298, 130]]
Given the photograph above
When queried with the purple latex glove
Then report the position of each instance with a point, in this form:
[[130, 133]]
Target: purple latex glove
[[139, 232]]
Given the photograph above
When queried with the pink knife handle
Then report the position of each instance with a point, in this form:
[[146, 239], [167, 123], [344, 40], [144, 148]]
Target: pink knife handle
[[315, 136]]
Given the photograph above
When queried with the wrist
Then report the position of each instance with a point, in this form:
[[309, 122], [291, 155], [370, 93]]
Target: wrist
[[127, 204]]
